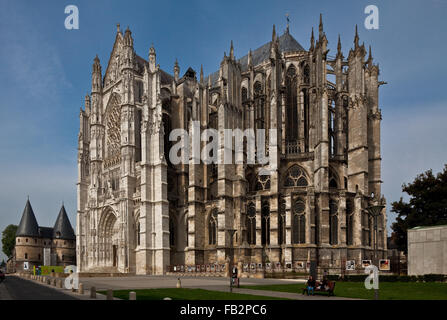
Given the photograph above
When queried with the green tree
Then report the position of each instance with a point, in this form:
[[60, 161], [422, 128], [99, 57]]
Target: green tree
[[9, 239], [427, 205]]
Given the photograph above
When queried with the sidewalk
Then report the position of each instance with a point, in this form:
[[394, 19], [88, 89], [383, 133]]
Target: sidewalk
[[74, 294]]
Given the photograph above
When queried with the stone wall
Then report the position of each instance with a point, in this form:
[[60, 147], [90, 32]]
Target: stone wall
[[427, 250]]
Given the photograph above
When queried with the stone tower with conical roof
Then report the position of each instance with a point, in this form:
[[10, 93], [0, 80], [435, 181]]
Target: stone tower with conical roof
[[38, 246]]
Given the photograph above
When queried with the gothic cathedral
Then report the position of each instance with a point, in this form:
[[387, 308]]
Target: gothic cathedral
[[140, 213]]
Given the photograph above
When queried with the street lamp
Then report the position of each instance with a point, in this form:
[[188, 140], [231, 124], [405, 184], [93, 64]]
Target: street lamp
[[230, 265], [375, 211]]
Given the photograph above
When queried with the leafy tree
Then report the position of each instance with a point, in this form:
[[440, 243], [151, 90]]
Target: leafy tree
[[427, 205], [9, 239]]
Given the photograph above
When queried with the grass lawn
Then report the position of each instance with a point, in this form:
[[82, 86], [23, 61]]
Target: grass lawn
[[186, 294], [387, 290]]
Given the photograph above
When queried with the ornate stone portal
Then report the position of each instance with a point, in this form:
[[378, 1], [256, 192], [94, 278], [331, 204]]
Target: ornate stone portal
[[139, 213]]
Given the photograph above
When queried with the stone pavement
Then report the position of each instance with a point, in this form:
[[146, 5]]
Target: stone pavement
[[207, 283]]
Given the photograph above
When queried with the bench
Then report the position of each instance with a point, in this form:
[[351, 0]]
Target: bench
[[329, 288]]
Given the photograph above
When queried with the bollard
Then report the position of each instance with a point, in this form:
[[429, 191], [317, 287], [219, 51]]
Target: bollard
[[81, 288], [132, 295], [179, 283], [49, 281], [109, 294], [93, 292]]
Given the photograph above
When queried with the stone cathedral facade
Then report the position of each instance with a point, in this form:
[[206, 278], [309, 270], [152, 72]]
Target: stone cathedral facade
[[139, 213]]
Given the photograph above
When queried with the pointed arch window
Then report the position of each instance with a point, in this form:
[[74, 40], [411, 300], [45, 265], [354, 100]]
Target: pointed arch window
[[282, 221], [295, 177], [333, 179], [265, 223], [212, 228], [250, 223], [333, 222], [299, 222], [244, 94], [306, 74], [262, 183], [292, 104]]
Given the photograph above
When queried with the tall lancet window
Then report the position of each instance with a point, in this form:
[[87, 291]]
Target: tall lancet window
[[349, 222], [282, 221], [265, 223], [299, 222], [332, 141], [212, 227], [333, 222], [292, 103], [250, 223], [259, 105]]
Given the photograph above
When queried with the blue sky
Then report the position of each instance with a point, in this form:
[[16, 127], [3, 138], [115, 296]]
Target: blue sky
[[45, 74]]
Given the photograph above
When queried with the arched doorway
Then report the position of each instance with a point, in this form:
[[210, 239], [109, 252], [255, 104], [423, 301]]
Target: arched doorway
[[109, 239]]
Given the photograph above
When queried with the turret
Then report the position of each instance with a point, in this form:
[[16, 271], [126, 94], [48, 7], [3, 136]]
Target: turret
[[231, 51]]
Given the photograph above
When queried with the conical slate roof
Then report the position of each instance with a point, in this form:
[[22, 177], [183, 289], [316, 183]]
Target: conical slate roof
[[28, 224], [62, 228]]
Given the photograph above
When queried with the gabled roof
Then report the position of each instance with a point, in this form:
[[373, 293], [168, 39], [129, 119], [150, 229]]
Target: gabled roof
[[28, 224], [62, 228], [287, 43]]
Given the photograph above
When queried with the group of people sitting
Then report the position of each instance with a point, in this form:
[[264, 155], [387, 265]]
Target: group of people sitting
[[312, 285]]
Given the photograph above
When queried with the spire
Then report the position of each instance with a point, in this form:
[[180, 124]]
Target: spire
[[201, 73], [176, 70], [87, 103], [288, 20], [62, 228], [28, 224], [128, 41], [249, 57], [356, 38], [209, 81], [152, 58], [118, 28], [96, 75], [370, 58], [312, 40], [320, 27], [231, 51], [339, 53], [273, 34]]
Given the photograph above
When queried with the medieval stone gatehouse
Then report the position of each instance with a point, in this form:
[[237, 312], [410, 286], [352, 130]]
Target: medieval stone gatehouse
[[140, 213], [37, 246]]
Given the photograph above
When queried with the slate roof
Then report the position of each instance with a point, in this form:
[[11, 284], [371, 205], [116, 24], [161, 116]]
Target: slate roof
[[287, 43], [62, 228], [46, 232], [28, 224], [165, 78]]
